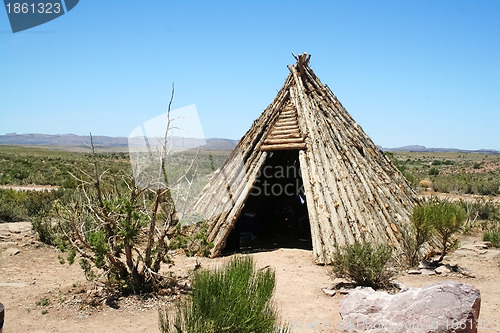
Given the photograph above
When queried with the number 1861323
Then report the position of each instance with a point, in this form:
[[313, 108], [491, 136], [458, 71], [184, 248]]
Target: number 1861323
[[32, 8], [482, 324]]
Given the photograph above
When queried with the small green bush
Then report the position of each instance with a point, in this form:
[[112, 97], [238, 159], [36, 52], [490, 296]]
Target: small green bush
[[433, 171], [448, 218], [12, 208], [26, 205], [420, 232], [44, 301], [192, 244], [492, 236], [482, 209], [233, 299], [445, 217], [44, 229], [364, 263]]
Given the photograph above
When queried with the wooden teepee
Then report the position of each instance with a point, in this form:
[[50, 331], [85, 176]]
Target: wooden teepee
[[353, 192]]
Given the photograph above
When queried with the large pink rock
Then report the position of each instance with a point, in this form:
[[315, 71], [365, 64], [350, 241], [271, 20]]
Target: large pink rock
[[446, 306]]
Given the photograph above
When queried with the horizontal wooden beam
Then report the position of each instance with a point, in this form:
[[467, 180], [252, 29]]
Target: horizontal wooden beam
[[286, 127], [289, 146], [287, 118], [287, 122], [283, 136], [278, 132], [283, 141]]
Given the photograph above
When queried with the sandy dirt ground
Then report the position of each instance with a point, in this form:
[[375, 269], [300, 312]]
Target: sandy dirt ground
[[38, 188], [41, 295], [456, 197]]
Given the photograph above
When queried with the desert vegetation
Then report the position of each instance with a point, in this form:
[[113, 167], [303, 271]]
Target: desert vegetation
[[457, 173], [101, 221], [366, 264], [43, 166], [235, 298], [440, 218], [96, 214]]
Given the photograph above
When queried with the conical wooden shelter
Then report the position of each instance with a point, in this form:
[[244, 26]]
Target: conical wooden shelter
[[352, 191]]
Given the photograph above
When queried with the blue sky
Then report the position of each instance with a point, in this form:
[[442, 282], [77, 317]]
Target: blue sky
[[421, 72]]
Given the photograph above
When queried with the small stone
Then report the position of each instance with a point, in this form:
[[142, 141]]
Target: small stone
[[465, 272], [428, 272], [12, 251], [339, 283], [329, 292], [414, 271], [488, 244], [442, 270], [343, 291]]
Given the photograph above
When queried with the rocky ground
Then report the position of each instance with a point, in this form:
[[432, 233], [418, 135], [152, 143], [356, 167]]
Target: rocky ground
[[42, 295]]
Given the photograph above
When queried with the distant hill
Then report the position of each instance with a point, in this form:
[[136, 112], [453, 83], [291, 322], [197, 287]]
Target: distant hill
[[71, 140], [416, 148]]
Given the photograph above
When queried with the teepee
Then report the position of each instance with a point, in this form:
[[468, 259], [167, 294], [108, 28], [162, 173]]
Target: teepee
[[350, 190]]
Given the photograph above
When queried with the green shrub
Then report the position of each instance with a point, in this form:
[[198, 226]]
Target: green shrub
[[38, 203], [420, 232], [26, 205], [236, 299], [445, 217], [44, 229], [12, 208], [44, 301], [492, 236], [482, 209], [482, 184], [364, 263], [448, 218], [433, 171], [192, 244]]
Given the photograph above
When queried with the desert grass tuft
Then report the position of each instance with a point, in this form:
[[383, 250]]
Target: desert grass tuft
[[236, 298]]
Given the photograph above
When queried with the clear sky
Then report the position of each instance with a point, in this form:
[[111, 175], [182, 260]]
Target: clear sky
[[420, 72]]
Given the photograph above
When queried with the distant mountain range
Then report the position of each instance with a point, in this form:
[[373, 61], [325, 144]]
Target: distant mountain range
[[416, 148], [71, 140]]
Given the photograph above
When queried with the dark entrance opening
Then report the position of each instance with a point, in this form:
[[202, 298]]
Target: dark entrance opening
[[275, 213]]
